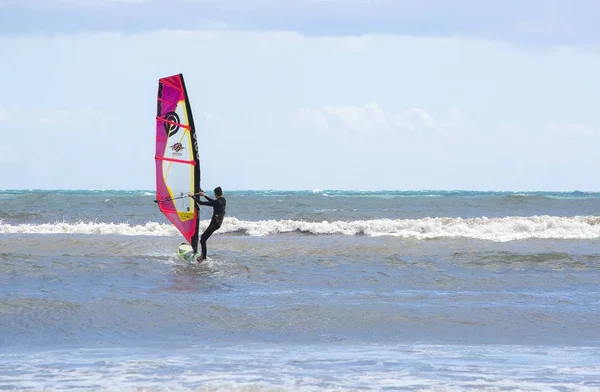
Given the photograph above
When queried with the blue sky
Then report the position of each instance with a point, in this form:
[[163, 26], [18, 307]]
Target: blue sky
[[299, 94]]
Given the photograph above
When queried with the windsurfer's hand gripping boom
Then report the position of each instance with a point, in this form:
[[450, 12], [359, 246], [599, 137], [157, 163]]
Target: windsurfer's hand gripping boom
[[201, 193]]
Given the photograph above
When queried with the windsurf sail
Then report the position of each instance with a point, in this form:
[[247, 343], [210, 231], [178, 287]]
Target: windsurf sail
[[177, 160]]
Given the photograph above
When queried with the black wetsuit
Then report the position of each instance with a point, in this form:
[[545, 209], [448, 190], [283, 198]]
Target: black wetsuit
[[216, 221]]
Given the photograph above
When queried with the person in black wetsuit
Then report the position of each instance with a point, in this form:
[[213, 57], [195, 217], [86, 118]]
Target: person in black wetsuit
[[216, 221]]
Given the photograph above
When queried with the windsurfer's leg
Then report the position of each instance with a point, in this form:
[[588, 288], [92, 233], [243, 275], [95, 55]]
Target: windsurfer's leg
[[205, 236], [203, 247]]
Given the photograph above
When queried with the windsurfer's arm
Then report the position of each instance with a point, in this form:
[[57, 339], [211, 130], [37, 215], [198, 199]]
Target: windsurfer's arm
[[196, 197], [201, 193]]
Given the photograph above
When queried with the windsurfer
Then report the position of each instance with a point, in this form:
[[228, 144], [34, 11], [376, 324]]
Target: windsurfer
[[216, 221]]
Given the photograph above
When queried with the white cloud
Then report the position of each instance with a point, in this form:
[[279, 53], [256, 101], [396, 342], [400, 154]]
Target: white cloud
[[189, 34], [571, 130], [557, 133], [12, 114], [366, 119], [52, 120], [311, 119], [370, 119], [413, 120], [57, 117]]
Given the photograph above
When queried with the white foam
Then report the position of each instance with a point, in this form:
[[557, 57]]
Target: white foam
[[492, 229], [297, 368], [150, 228]]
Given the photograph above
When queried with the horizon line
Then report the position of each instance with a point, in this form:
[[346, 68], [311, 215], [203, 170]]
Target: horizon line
[[308, 190]]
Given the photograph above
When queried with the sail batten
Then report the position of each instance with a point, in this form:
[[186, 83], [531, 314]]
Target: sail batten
[[174, 123], [176, 157], [176, 160]]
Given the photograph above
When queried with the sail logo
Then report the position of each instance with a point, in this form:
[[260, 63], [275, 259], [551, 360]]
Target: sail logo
[[171, 123], [195, 142], [177, 147]]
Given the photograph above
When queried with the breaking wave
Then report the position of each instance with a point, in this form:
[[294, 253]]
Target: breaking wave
[[492, 229]]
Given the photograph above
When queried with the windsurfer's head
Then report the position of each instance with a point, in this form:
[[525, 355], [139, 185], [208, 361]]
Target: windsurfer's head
[[218, 191]]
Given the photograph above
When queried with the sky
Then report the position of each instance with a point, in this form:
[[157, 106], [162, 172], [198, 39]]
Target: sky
[[305, 94]]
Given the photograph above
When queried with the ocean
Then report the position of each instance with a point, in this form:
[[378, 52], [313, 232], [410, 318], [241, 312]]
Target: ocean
[[303, 291]]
